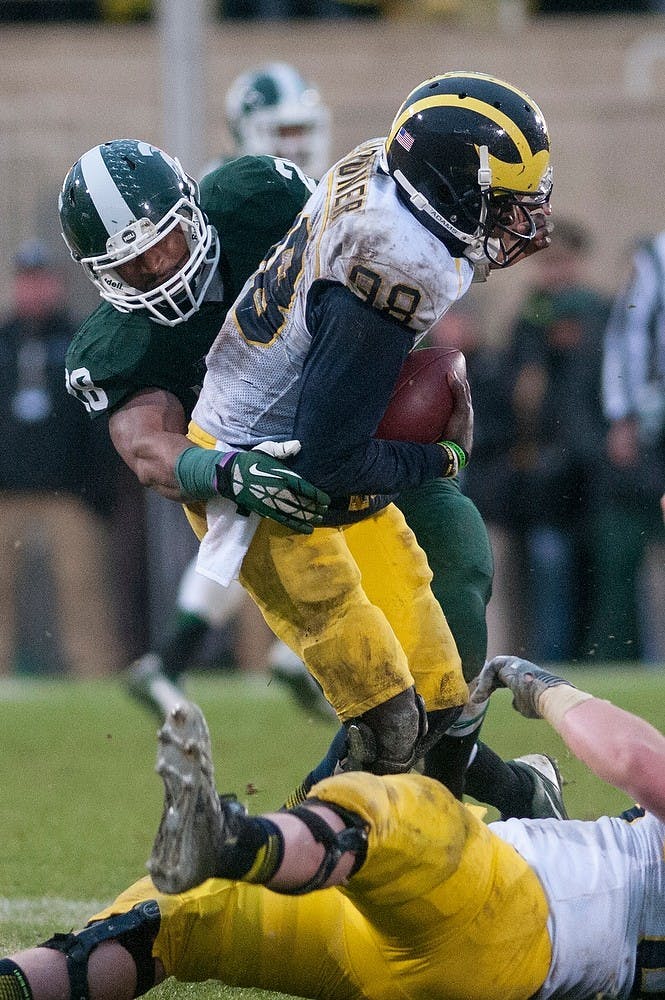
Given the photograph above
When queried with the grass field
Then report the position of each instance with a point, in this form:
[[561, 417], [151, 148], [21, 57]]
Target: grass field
[[81, 801]]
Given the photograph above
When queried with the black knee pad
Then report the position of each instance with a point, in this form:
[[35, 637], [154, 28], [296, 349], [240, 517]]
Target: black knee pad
[[385, 740], [135, 930], [353, 838]]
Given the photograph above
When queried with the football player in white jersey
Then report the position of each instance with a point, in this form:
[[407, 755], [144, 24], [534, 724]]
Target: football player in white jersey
[[308, 356], [422, 899], [464, 177], [273, 109]]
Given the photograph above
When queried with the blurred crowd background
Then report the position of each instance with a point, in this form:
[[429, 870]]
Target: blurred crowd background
[[145, 10], [91, 563]]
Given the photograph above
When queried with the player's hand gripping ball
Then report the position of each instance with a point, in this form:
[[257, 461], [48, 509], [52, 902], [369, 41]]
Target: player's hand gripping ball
[[421, 403]]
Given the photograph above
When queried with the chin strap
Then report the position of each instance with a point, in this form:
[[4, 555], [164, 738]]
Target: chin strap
[[484, 170], [421, 204]]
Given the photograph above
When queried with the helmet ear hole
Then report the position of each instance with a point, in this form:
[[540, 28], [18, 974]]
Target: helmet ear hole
[[445, 196]]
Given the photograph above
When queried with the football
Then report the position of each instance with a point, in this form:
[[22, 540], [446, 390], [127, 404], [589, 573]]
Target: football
[[422, 402]]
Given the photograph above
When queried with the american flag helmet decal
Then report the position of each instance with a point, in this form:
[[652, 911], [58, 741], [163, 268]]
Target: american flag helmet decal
[[404, 138]]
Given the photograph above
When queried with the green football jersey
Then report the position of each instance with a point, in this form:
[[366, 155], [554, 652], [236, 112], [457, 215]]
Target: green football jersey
[[251, 201]]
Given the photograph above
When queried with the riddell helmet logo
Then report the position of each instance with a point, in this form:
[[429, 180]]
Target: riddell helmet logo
[[129, 236]]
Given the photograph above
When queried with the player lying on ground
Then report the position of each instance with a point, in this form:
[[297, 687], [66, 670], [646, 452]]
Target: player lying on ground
[[425, 900]]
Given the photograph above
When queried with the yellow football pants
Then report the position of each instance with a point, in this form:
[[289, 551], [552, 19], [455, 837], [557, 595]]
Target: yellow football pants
[[441, 908], [355, 604]]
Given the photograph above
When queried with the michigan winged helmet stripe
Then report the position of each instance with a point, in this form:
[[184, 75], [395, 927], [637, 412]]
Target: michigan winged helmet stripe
[[470, 156], [524, 173]]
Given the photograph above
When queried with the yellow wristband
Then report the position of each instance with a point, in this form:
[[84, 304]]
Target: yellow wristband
[[554, 702]]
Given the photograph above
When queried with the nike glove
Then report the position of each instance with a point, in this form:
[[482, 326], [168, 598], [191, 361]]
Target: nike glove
[[258, 481]]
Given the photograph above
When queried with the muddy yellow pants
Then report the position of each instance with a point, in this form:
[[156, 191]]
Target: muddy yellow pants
[[355, 604]]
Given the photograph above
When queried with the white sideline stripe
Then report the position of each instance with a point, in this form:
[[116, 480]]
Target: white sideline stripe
[[19, 689], [48, 908]]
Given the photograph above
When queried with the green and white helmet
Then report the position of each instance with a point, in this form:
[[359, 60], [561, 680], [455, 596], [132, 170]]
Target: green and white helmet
[[273, 111], [120, 199]]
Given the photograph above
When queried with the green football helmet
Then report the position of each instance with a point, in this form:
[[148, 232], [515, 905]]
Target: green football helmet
[[120, 199], [273, 111], [470, 156]]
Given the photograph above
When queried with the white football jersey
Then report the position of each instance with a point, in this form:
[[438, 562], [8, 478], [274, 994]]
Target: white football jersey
[[605, 885], [353, 231]]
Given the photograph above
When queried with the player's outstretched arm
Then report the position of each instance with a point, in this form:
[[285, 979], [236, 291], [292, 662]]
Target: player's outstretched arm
[[621, 748], [258, 481], [149, 434]]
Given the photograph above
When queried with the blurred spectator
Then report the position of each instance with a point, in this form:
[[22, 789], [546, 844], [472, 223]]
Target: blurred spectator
[[53, 493], [126, 10], [49, 10], [398, 9], [76, 10], [627, 521], [554, 371], [282, 10], [595, 6]]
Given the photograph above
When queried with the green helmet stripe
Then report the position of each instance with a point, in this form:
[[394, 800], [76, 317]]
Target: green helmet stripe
[[111, 207]]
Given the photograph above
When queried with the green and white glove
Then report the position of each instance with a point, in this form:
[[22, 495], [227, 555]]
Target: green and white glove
[[257, 481], [526, 681]]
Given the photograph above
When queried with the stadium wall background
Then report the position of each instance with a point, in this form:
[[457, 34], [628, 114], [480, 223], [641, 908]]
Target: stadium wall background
[[64, 88]]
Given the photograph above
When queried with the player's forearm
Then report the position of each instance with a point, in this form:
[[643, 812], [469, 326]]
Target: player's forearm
[[148, 432], [349, 375], [154, 464], [619, 747], [377, 467]]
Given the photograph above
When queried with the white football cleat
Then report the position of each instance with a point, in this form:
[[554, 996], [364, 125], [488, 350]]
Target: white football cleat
[[146, 681], [547, 800], [191, 832]]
